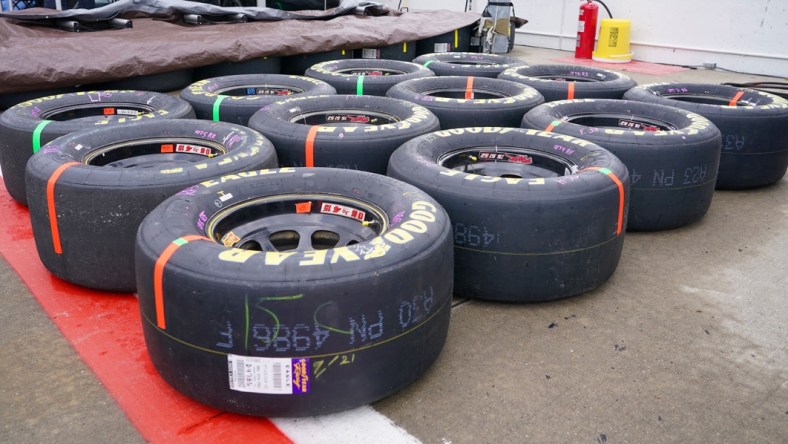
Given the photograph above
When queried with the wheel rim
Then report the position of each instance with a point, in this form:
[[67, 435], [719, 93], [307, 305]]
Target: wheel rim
[[459, 93], [370, 71], [507, 162], [260, 90], [569, 78], [344, 116], [296, 222], [628, 121], [471, 63], [97, 109], [153, 153], [706, 99]]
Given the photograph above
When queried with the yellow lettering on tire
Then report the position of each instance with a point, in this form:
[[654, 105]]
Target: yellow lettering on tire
[[343, 253], [237, 255]]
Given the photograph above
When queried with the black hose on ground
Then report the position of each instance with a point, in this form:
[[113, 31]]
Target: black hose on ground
[[776, 88]]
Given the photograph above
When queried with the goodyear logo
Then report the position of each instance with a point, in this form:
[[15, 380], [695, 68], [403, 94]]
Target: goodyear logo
[[500, 130], [301, 380], [422, 215], [254, 173]]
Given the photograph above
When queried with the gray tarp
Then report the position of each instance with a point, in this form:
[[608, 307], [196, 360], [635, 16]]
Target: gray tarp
[[37, 57], [174, 8]]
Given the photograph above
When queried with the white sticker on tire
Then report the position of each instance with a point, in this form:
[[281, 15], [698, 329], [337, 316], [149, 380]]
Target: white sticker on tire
[[275, 376], [193, 149], [341, 210], [127, 112]]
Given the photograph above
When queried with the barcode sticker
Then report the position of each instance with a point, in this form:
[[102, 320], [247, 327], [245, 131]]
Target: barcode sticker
[[260, 375], [276, 376]]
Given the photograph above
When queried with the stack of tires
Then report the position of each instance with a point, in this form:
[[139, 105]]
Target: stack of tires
[[368, 259], [292, 238]]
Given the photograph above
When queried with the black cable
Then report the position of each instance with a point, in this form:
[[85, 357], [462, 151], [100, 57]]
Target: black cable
[[778, 85], [742, 72], [606, 8], [776, 88]]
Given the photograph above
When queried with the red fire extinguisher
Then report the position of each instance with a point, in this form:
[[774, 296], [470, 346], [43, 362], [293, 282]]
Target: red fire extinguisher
[[586, 30]]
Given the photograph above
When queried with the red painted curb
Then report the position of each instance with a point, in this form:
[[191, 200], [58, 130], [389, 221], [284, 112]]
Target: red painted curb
[[105, 330]]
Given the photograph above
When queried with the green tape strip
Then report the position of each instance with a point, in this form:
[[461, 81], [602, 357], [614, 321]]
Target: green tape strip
[[216, 106], [428, 63], [37, 134], [360, 86]]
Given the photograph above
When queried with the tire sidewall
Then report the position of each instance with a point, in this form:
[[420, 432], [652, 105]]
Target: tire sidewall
[[604, 84], [98, 209], [365, 148], [467, 63], [361, 291], [204, 94], [754, 141], [524, 226], [683, 162], [376, 85], [24, 124], [457, 113]]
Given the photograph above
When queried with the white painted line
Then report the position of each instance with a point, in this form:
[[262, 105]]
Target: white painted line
[[357, 426]]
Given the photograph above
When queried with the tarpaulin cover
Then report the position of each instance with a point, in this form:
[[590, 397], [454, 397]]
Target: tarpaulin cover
[[38, 57], [175, 8]]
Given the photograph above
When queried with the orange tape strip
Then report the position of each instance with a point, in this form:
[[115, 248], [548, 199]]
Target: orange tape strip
[[158, 275], [570, 90], [303, 207], [736, 98], [552, 125], [620, 185], [51, 205], [309, 148], [469, 88], [620, 202]]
